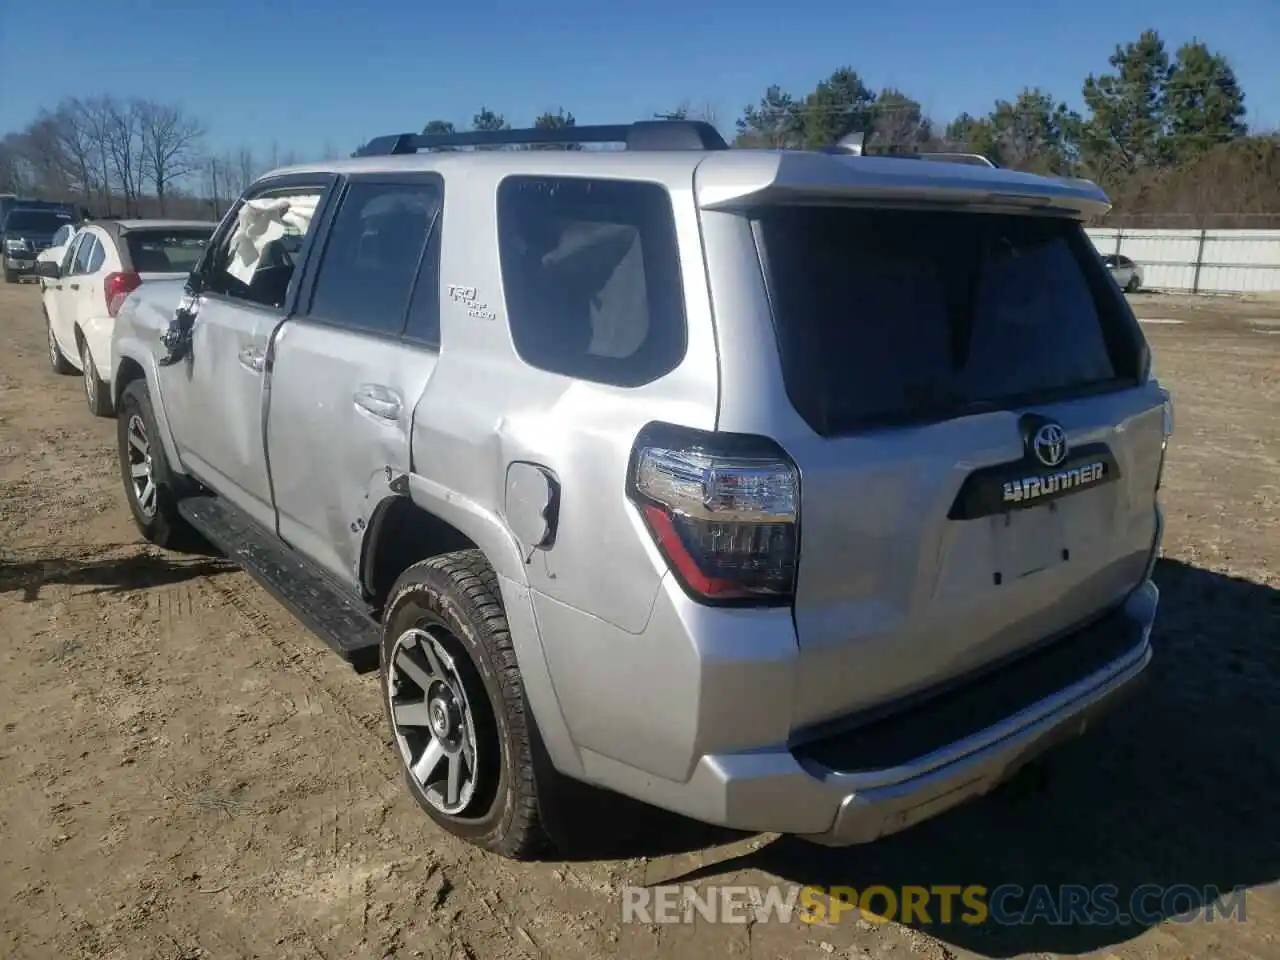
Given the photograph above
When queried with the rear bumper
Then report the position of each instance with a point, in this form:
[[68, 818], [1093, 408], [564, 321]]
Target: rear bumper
[[880, 777]]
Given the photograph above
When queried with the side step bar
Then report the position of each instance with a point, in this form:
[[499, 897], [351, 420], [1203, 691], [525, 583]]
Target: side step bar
[[335, 615]]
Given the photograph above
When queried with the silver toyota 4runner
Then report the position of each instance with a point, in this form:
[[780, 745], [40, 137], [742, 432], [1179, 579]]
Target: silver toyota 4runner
[[790, 491]]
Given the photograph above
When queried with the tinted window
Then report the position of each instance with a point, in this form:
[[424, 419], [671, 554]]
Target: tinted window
[[591, 273], [83, 255], [73, 248], [96, 258], [36, 221], [65, 233], [255, 259], [371, 256], [166, 251], [424, 308], [888, 316]]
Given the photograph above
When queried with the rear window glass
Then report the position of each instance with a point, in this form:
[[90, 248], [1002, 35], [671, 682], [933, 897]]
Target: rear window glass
[[166, 251], [897, 316], [591, 273]]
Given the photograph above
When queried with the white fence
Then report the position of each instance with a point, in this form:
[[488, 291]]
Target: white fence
[[1198, 261]]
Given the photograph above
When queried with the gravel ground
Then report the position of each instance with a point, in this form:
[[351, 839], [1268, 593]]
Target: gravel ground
[[185, 772]]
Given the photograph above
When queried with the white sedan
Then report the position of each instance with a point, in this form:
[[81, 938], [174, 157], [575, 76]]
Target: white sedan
[[106, 261]]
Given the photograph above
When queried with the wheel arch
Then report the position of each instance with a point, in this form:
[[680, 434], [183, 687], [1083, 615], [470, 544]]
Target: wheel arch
[[431, 521], [130, 362]]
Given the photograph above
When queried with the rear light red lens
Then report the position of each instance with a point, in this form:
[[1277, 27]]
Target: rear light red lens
[[722, 510], [116, 287]]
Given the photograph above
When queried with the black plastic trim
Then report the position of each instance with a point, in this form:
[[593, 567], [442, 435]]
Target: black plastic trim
[[982, 493], [641, 135]]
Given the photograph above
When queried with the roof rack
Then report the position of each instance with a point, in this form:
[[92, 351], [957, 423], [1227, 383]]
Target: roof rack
[[641, 135]]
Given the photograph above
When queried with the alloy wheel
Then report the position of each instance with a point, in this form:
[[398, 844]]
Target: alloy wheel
[[90, 379], [141, 470], [432, 718]]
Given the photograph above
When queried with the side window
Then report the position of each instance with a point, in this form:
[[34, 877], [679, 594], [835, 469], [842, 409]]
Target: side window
[[97, 258], [424, 309], [73, 248], [84, 254], [62, 236], [591, 273], [372, 255], [255, 259]]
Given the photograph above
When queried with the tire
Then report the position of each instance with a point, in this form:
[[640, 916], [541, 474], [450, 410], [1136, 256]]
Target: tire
[[96, 393], [57, 359], [452, 603], [10, 276], [157, 520], [1132, 286]]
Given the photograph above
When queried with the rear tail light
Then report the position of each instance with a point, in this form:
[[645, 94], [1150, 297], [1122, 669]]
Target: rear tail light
[[117, 286], [723, 511]]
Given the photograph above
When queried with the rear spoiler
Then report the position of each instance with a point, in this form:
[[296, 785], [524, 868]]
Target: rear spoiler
[[740, 179]]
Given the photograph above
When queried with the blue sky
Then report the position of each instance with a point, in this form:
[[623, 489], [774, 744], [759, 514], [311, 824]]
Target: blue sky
[[302, 75]]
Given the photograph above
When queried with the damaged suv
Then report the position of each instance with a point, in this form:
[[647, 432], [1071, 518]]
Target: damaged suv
[[787, 490]]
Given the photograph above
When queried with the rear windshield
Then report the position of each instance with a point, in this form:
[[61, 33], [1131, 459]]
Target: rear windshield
[[166, 251], [890, 316], [37, 221]]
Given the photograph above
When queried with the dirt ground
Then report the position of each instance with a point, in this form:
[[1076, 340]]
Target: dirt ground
[[185, 772]]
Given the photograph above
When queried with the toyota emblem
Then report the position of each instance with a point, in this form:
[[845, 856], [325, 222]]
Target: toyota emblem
[[1050, 444]]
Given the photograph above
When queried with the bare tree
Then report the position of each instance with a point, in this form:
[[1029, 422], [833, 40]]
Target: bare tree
[[13, 165], [97, 115], [168, 142], [128, 156]]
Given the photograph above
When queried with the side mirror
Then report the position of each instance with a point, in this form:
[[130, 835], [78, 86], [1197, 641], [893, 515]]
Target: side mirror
[[177, 338], [48, 269]]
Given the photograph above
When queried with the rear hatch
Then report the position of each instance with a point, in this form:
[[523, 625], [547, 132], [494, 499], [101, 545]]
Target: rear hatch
[[980, 449]]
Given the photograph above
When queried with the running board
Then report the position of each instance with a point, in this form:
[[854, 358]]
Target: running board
[[336, 616]]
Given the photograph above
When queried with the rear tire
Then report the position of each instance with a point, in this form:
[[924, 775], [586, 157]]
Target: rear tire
[[154, 508], [454, 697], [96, 392]]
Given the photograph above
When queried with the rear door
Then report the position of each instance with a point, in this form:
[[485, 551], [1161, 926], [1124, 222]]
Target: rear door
[[979, 450], [346, 373]]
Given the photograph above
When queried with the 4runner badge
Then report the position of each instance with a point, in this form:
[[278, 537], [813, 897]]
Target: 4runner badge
[[469, 297], [1030, 488]]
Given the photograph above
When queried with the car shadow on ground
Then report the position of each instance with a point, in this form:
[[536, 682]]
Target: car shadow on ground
[[106, 574], [1177, 788]]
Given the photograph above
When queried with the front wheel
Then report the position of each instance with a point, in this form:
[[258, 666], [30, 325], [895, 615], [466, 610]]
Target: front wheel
[[149, 482], [1133, 285], [11, 276], [455, 701]]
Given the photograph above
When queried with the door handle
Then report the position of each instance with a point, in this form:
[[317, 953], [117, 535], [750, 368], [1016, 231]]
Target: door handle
[[378, 400], [75, 286], [253, 358]]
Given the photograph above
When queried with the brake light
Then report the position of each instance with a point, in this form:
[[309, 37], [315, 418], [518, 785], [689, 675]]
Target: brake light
[[117, 286], [723, 511]]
